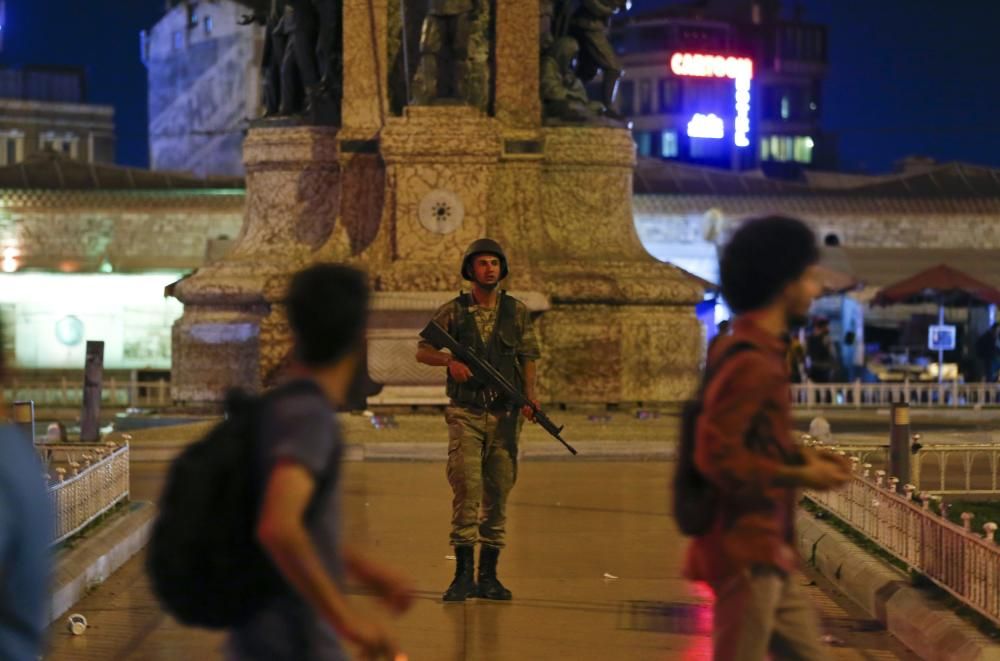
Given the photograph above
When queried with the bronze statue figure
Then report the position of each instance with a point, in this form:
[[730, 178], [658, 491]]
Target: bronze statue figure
[[564, 98], [299, 69], [575, 46], [329, 45], [589, 25], [301, 64], [444, 43]]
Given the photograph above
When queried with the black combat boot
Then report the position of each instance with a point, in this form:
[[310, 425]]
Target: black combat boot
[[464, 585], [490, 586]]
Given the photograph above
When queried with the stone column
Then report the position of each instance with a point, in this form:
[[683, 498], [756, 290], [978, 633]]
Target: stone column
[[366, 98], [518, 104]]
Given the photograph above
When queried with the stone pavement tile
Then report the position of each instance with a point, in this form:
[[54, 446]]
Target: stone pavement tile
[[570, 524]]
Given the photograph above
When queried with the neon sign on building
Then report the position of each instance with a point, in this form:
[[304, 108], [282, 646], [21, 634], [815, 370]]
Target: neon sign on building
[[738, 69]]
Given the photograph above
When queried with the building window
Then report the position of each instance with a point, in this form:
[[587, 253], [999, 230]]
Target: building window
[[644, 143], [670, 95], [784, 148], [802, 149], [209, 25], [61, 143], [626, 97], [790, 102], [668, 144], [645, 97], [178, 40], [11, 147]]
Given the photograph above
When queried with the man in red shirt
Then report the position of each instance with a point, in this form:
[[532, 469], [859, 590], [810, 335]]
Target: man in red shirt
[[744, 448]]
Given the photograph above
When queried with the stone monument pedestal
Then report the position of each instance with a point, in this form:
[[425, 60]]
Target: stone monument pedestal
[[402, 197]]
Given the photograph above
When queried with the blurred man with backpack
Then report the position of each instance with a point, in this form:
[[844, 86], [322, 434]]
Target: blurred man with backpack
[[744, 546], [300, 453], [248, 536]]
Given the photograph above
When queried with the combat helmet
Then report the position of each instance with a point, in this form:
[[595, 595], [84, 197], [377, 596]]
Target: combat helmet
[[478, 247]]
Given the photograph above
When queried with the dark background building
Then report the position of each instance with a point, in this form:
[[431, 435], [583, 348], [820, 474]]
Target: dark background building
[[789, 57], [45, 109]]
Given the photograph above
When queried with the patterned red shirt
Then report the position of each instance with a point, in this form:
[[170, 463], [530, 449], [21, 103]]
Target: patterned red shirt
[[743, 437]]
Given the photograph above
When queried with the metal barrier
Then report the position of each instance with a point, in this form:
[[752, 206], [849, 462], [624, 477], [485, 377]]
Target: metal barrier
[[94, 488], [114, 393], [955, 558], [860, 395], [946, 469]]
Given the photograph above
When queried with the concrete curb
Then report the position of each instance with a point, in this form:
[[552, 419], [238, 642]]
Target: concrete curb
[[928, 628], [99, 555], [438, 451]]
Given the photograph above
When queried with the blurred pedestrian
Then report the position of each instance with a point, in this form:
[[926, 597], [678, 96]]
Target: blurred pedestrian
[[988, 352], [847, 357], [300, 456], [744, 449], [25, 535], [796, 357], [820, 352]]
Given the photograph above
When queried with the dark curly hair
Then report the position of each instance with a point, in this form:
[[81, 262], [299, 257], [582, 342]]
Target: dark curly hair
[[762, 258], [327, 307]]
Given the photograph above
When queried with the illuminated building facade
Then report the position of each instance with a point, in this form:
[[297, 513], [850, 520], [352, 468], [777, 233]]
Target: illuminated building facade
[[736, 65], [204, 82], [86, 251]]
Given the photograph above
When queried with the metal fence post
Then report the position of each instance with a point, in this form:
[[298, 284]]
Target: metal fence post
[[899, 441]]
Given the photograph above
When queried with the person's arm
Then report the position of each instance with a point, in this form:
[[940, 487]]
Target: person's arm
[[394, 588], [282, 533], [428, 354]]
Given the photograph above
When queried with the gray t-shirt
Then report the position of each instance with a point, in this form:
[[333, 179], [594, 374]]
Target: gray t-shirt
[[299, 424]]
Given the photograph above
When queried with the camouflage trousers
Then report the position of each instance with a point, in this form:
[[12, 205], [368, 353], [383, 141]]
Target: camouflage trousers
[[482, 469]]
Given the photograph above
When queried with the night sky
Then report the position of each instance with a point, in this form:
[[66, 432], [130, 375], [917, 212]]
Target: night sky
[[906, 76]]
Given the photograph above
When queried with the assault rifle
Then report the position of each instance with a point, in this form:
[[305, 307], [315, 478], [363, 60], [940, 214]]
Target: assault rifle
[[488, 375]]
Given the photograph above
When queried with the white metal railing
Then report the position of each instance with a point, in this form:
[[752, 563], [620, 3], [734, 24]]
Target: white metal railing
[[860, 395], [946, 469], [954, 557], [114, 393], [90, 489]]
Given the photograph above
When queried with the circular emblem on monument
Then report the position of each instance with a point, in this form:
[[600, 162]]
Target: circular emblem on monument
[[441, 211]]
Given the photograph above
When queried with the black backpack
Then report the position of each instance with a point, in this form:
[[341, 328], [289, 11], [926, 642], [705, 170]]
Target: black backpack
[[695, 498], [204, 560]]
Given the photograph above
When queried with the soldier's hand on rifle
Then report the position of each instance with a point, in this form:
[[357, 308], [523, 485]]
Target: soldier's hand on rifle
[[529, 412], [459, 371]]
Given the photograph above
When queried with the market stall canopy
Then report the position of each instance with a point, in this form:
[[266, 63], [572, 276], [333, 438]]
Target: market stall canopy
[[941, 284]]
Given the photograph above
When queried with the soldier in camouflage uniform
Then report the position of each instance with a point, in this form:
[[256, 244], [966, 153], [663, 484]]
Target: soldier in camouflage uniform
[[482, 428], [444, 36]]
